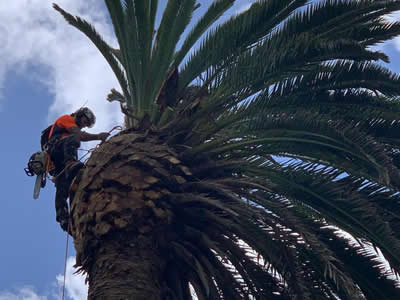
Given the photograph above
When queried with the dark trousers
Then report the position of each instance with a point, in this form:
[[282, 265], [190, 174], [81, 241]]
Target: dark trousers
[[61, 151]]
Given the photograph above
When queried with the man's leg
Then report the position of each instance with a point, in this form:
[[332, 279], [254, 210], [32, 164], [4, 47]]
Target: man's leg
[[70, 145], [62, 214], [61, 183], [70, 151]]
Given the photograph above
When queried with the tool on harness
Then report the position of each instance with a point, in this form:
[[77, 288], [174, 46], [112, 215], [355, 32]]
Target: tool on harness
[[37, 165]]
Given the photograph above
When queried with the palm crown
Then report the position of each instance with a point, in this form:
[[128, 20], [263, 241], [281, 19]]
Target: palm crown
[[287, 129]]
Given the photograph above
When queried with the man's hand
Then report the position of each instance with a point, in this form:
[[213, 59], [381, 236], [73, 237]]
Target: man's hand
[[103, 136], [85, 136]]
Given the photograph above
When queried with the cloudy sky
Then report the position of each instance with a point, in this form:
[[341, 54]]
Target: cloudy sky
[[48, 68]]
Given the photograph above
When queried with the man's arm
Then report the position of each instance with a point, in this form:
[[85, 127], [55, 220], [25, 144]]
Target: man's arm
[[85, 136]]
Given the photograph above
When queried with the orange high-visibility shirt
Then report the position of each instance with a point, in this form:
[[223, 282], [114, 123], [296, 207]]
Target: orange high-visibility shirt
[[63, 124]]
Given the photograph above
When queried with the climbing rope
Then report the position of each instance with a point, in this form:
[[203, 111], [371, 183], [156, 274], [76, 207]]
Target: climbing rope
[[65, 263], [66, 256], [94, 149]]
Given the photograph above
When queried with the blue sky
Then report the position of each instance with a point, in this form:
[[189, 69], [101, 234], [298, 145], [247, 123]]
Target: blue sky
[[48, 68]]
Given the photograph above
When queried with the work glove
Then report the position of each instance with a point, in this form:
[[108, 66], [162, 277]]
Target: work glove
[[103, 136]]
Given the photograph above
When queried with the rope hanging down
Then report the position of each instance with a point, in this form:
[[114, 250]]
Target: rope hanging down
[[66, 256], [66, 246], [65, 263]]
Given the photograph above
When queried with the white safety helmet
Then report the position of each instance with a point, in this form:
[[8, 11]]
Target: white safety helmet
[[85, 111]]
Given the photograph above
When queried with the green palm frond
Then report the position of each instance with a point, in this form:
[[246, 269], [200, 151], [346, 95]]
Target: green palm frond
[[237, 35], [342, 202], [294, 69], [323, 143], [285, 74], [175, 19], [103, 47], [215, 10], [306, 21], [364, 264], [356, 105], [325, 270], [377, 32], [338, 19]]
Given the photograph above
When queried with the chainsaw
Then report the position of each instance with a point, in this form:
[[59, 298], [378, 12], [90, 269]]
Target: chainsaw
[[37, 166]]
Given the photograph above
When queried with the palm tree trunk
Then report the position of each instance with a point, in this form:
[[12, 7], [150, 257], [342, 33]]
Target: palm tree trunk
[[125, 269], [118, 221]]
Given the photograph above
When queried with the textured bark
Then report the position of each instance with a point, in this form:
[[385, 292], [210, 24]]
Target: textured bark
[[125, 270], [120, 223]]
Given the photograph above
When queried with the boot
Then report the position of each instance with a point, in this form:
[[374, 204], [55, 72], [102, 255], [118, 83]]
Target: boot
[[62, 217], [64, 224]]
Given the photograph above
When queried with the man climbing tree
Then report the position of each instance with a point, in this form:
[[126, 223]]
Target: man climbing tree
[[64, 138]]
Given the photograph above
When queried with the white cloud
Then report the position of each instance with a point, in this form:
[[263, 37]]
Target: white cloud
[[395, 17], [243, 5], [25, 293], [39, 44], [75, 287]]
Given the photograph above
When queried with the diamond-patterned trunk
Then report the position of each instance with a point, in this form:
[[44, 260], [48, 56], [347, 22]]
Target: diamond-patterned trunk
[[120, 222]]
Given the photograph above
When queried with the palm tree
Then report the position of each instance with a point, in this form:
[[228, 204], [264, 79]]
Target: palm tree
[[245, 155]]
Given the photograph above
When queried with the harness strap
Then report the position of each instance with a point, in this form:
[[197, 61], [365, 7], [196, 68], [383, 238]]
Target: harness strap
[[51, 131], [49, 164]]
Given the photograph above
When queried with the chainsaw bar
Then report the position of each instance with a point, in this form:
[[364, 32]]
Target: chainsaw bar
[[38, 184]]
